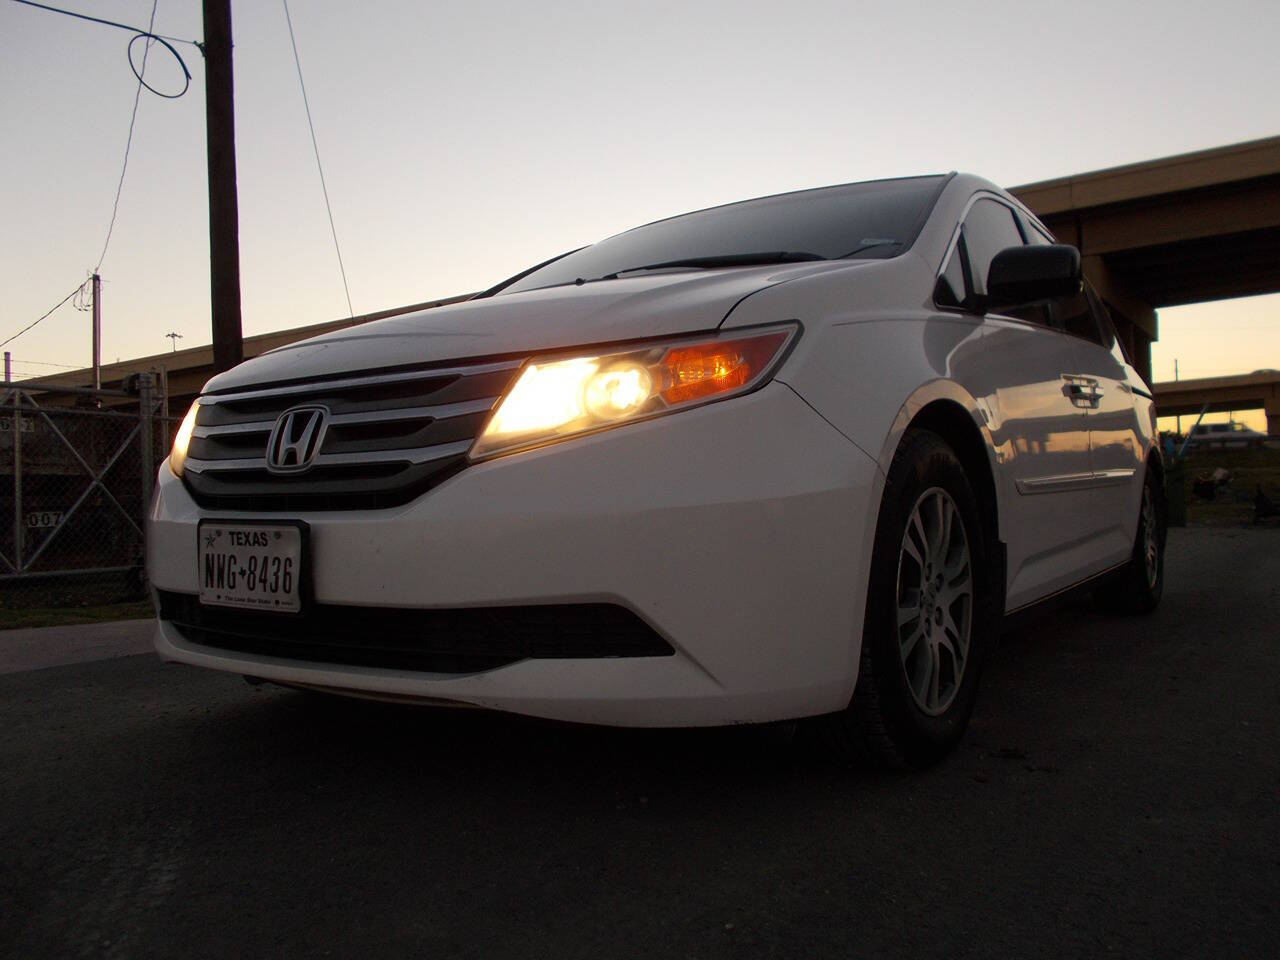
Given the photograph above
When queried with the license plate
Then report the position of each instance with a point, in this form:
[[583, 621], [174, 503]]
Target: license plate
[[255, 566]]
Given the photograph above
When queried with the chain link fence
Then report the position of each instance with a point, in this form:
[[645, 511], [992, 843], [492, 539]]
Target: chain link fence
[[77, 470]]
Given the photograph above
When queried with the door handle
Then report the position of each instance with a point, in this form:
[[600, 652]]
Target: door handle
[[1083, 392]]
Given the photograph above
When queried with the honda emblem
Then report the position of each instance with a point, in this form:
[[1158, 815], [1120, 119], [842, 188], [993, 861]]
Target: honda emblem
[[296, 439]]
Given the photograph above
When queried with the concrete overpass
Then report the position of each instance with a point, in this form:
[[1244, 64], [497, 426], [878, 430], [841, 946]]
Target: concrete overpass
[[1185, 229], [1251, 391]]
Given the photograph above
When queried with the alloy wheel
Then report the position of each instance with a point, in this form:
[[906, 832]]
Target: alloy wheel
[[935, 601]]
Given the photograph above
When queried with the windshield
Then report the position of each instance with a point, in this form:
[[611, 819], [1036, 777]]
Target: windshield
[[873, 220]]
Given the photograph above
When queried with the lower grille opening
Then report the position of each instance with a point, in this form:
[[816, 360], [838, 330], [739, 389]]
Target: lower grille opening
[[462, 640]]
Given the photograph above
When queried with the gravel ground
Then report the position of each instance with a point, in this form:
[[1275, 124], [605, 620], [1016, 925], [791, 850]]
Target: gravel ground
[[1118, 792]]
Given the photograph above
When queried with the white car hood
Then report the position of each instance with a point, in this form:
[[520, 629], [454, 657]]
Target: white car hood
[[649, 305]]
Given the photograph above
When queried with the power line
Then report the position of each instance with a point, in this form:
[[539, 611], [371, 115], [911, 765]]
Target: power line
[[137, 95], [109, 23], [139, 34], [30, 325], [316, 148], [46, 363]]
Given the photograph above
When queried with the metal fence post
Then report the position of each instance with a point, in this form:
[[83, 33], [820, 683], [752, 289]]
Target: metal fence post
[[146, 437], [166, 441], [17, 481]]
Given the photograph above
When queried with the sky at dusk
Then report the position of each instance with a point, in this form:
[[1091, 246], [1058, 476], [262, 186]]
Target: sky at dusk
[[464, 141]]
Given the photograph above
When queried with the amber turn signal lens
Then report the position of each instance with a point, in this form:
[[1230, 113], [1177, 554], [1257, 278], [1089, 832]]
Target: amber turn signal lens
[[706, 369]]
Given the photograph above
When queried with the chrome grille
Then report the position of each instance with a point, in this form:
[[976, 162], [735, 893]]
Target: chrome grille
[[390, 436]]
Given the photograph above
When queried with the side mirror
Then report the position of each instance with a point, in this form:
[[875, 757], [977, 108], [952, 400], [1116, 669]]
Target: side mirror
[[1025, 274]]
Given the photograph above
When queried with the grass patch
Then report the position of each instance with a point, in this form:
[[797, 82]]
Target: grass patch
[[13, 619], [1233, 504]]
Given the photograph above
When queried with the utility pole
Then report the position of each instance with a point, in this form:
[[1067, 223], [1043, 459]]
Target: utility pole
[[175, 337], [1175, 380], [97, 332], [224, 219], [7, 378]]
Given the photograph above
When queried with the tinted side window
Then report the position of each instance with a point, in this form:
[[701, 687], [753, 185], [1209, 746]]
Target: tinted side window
[[1102, 315], [1034, 234], [989, 228], [1074, 315]]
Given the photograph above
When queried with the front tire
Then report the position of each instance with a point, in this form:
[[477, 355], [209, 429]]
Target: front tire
[[928, 622]]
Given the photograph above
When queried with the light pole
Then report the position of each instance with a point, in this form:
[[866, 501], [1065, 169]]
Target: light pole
[[1175, 380]]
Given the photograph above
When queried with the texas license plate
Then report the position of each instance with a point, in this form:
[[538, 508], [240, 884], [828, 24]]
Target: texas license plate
[[255, 566]]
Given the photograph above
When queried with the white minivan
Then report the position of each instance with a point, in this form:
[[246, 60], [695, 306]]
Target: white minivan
[[793, 457]]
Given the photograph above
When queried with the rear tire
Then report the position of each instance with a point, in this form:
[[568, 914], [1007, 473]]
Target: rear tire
[[928, 623], [1136, 587]]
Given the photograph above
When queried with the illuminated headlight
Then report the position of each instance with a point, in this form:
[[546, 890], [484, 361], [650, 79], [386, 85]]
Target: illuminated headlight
[[178, 455], [557, 397]]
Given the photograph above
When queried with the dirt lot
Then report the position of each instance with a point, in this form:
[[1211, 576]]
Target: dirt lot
[[1232, 505]]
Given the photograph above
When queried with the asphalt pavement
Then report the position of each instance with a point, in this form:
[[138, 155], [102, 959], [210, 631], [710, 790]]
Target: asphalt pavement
[[35, 648], [1118, 794]]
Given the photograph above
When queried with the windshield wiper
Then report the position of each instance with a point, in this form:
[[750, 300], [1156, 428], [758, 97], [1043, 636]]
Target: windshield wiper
[[723, 260], [869, 245]]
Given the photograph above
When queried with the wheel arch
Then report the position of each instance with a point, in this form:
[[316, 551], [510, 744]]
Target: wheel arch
[[954, 425], [946, 409]]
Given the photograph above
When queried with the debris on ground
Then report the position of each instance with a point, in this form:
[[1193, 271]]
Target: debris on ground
[[1263, 506], [1206, 485], [1203, 487]]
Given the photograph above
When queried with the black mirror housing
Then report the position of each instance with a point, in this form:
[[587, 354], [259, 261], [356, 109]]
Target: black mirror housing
[[1026, 274]]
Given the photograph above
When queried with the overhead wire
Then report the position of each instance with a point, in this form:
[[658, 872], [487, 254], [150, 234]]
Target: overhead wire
[[137, 96], [83, 300], [334, 230], [44, 317], [149, 36], [139, 34], [45, 363], [109, 23]]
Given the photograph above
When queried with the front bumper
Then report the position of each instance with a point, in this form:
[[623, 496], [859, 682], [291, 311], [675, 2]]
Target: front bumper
[[739, 531]]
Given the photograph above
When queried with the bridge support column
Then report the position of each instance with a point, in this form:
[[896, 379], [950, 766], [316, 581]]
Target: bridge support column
[[1142, 354], [1134, 318], [1272, 409]]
